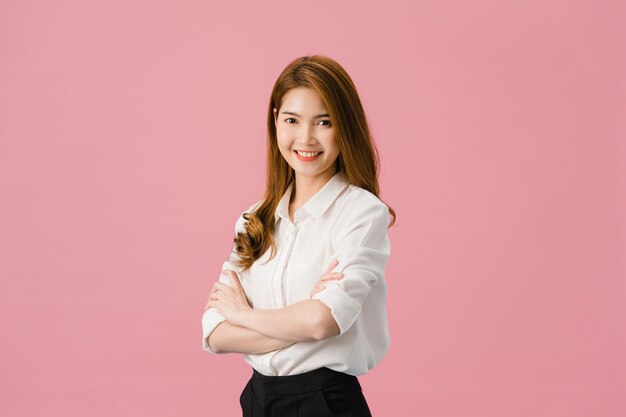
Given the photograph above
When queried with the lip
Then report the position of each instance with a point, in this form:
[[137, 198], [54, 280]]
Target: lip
[[304, 158]]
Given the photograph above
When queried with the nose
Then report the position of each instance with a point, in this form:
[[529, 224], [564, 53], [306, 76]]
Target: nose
[[305, 134]]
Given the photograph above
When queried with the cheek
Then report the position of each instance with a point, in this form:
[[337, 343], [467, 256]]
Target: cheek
[[331, 145], [284, 147], [281, 141]]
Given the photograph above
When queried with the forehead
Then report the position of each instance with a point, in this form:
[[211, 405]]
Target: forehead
[[302, 100]]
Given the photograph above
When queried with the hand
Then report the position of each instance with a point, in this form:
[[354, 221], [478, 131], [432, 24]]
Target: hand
[[321, 284], [231, 301]]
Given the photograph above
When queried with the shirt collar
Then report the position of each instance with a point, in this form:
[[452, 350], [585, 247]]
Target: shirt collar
[[317, 204]]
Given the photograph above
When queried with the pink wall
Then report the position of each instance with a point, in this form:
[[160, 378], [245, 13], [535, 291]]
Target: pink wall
[[132, 137]]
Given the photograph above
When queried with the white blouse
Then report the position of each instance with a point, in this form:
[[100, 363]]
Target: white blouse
[[341, 221]]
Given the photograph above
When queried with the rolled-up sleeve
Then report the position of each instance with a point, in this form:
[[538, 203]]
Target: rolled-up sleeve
[[212, 316], [363, 252]]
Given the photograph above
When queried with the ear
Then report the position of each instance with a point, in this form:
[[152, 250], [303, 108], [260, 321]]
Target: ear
[[275, 115]]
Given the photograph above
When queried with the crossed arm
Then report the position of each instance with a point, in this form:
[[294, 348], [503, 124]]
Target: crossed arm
[[227, 337], [253, 331], [264, 330], [364, 251]]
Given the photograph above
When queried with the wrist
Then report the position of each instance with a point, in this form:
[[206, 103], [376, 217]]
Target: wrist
[[246, 318]]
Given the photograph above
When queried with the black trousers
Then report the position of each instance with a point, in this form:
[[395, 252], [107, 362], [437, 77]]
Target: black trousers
[[321, 392]]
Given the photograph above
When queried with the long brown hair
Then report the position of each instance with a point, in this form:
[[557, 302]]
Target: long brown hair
[[358, 155]]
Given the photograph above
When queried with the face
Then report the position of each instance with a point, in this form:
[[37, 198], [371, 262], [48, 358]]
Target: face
[[304, 125]]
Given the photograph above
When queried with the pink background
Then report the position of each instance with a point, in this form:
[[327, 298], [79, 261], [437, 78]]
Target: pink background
[[132, 136]]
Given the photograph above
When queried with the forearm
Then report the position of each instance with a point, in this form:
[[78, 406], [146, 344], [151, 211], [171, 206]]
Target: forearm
[[227, 337], [298, 322]]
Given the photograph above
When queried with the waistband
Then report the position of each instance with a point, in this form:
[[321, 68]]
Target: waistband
[[297, 384]]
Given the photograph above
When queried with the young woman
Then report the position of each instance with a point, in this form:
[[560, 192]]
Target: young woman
[[303, 294]]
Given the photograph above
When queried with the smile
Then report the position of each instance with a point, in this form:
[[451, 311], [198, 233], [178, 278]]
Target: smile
[[307, 156]]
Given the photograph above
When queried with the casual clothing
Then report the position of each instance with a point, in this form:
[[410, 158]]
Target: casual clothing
[[341, 221]]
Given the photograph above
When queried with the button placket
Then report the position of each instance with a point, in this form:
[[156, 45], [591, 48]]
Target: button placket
[[277, 279], [294, 231], [279, 284]]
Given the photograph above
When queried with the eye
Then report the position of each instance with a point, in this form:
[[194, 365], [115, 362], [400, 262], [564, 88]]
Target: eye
[[289, 118], [326, 121]]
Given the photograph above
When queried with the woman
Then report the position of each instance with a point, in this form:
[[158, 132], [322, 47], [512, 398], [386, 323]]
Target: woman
[[303, 295]]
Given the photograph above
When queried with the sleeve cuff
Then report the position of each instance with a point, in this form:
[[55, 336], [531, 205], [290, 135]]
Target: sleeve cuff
[[344, 308], [210, 319]]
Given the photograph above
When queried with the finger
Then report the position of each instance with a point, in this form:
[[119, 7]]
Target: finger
[[327, 280], [335, 275], [331, 266], [234, 278], [221, 287]]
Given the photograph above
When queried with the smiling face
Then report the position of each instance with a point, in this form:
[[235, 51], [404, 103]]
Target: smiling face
[[303, 124]]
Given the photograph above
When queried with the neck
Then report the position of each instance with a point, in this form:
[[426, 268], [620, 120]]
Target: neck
[[306, 187]]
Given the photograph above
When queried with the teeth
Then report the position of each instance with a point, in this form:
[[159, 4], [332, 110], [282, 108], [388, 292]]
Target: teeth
[[307, 154]]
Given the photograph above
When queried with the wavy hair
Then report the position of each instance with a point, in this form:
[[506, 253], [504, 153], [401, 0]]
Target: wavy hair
[[358, 156]]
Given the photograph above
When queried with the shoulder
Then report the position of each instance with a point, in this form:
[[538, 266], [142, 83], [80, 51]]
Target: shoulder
[[239, 225], [357, 206], [358, 202]]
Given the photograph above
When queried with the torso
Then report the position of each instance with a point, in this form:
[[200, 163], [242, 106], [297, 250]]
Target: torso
[[304, 251]]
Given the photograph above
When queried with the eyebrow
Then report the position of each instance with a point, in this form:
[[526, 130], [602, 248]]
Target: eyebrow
[[296, 114]]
